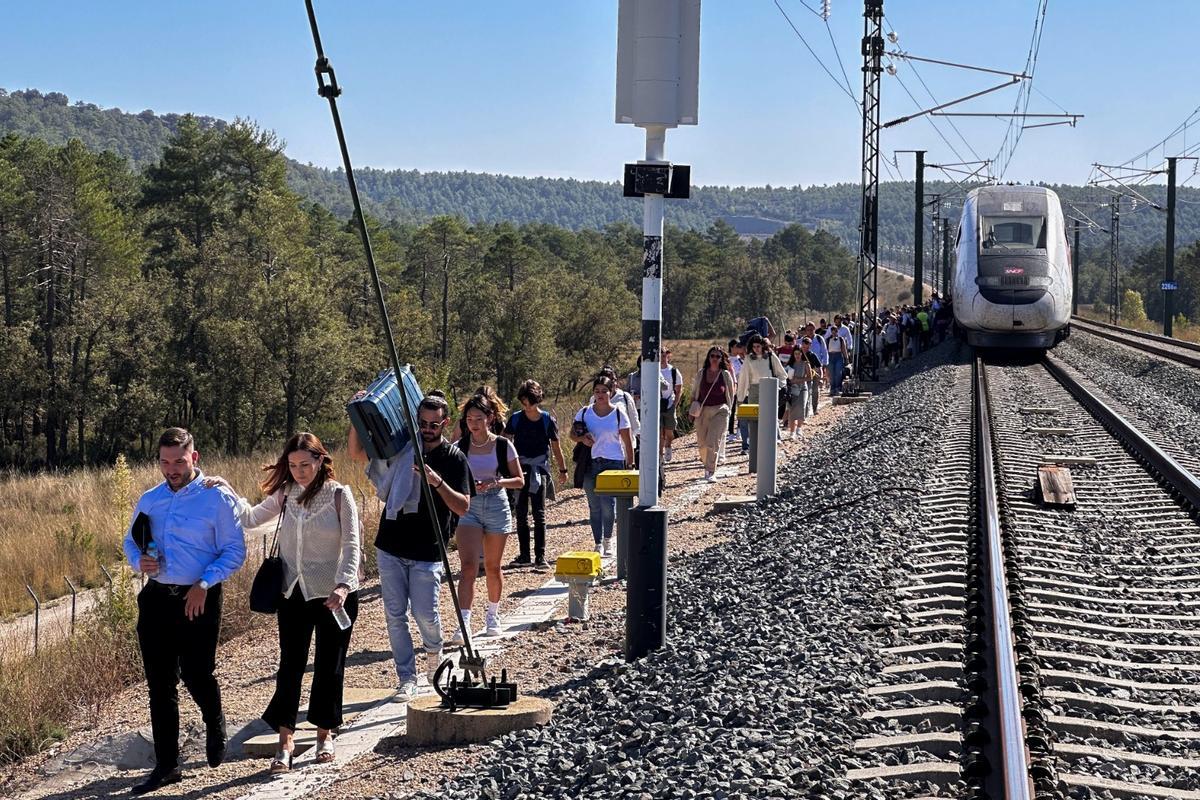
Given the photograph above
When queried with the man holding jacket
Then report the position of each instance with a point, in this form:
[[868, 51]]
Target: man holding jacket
[[196, 543]]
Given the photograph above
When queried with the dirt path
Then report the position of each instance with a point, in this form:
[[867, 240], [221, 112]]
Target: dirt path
[[97, 762]]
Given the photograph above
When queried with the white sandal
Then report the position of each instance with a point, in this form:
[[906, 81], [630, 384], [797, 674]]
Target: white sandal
[[325, 751]]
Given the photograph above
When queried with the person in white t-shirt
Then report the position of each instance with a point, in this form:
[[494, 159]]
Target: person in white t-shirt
[[603, 427]]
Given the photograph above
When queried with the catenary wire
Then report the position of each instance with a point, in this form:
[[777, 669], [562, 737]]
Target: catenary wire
[[812, 52]]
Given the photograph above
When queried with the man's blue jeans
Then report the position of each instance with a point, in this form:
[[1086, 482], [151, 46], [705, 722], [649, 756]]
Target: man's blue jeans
[[406, 583], [837, 367], [602, 508]]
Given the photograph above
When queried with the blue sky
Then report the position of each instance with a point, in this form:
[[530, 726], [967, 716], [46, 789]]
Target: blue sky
[[525, 87]]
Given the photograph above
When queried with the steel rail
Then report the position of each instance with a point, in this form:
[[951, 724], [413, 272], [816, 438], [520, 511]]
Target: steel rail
[[1018, 785], [1147, 342], [1176, 476]]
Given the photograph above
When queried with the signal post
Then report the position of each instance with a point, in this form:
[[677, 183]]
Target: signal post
[[658, 71]]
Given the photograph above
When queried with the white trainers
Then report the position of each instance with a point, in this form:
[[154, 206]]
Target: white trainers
[[667, 455], [456, 640], [606, 548], [407, 690], [491, 625], [432, 662]]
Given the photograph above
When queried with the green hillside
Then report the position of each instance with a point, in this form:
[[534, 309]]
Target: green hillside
[[412, 196]]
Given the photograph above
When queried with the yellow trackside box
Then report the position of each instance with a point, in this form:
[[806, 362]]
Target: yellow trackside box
[[578, 564], [748, 411], [618, 482]]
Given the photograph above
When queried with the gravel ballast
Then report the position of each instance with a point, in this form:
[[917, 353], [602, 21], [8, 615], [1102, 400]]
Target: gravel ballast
[[774, 635]]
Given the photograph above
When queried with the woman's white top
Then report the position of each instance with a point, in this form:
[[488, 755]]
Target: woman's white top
[[754, 370], [319, 551], [606, 431]]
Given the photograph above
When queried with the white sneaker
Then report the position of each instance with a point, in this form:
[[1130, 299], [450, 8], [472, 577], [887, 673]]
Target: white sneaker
[[733, 437], [606, 548], [407, 690], [711, 477], [457, 639], [432, 662], [667, 455], [491, 625]]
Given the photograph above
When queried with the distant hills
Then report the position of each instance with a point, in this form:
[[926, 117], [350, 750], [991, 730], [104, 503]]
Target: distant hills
[[412, 196]]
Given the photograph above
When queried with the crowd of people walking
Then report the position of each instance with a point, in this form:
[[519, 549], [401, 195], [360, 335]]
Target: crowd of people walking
[[479, 486]]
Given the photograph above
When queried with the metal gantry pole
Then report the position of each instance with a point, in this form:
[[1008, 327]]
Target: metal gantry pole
[[945, 258], [868, 228], [1075, 271], [935, 203], [1114, 255], [919, 228], [1169, 266]]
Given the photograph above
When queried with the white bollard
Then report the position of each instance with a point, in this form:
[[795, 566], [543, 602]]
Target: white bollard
[[768, 435]]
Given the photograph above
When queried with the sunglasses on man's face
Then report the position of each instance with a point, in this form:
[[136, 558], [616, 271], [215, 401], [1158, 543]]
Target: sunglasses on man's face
[[426, 425]]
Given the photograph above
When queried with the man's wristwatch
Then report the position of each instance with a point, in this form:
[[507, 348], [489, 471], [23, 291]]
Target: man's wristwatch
[[203, 584]]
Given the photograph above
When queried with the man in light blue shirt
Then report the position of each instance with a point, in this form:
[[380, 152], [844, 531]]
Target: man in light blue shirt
[[196, 542]]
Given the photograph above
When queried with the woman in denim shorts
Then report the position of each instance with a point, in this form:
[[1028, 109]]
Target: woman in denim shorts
[[487, 523]]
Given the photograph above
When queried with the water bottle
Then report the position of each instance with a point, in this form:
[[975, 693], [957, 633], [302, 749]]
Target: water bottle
[[341, 618], [152, 550]]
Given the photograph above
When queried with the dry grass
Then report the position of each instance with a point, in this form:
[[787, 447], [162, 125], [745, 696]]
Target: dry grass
[[71, 678], [40, 695], [65, 525]]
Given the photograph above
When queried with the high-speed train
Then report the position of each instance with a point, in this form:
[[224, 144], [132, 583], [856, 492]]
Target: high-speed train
[[1012, 276]]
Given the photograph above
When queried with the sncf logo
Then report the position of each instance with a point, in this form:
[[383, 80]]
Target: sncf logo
[[1014, 270]]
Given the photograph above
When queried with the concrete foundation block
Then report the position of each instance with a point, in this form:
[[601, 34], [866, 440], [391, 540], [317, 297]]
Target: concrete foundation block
[[430, 724]]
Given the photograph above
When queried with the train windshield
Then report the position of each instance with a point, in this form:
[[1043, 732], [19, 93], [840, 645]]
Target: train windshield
[[1012, 233]]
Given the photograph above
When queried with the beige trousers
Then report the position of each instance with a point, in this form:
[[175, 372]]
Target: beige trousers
[[710, 430]]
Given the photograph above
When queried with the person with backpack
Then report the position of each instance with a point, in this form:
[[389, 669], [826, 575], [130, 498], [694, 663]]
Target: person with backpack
[[839, 349], [712, 395], [672, 388], [626, 400], [534, 433], [319, 542], [601, 430], [495, 467]]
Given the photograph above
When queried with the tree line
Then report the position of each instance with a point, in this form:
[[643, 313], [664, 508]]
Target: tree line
[[409, 196], [203, 291]]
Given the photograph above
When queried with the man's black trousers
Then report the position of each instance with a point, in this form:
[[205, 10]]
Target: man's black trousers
[[173, 647], [298, 620], [536, 503]]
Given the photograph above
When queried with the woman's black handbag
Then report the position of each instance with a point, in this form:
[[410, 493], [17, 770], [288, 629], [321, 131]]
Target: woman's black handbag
[[581, 455], [267, 590]]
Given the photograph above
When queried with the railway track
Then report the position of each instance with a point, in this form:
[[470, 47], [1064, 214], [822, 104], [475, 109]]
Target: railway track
[[1047, 652], [1173, 349]]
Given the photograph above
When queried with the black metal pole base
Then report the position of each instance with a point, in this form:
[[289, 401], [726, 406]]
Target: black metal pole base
[[646, 590]]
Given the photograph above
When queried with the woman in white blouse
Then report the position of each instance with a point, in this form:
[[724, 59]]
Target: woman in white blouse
[[320, 545]]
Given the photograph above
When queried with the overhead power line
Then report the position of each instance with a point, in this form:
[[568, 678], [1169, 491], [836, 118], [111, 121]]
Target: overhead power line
[[843, 87], [1012, 137]]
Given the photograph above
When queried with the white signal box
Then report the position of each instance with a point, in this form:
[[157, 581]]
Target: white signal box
[[658, 62]]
